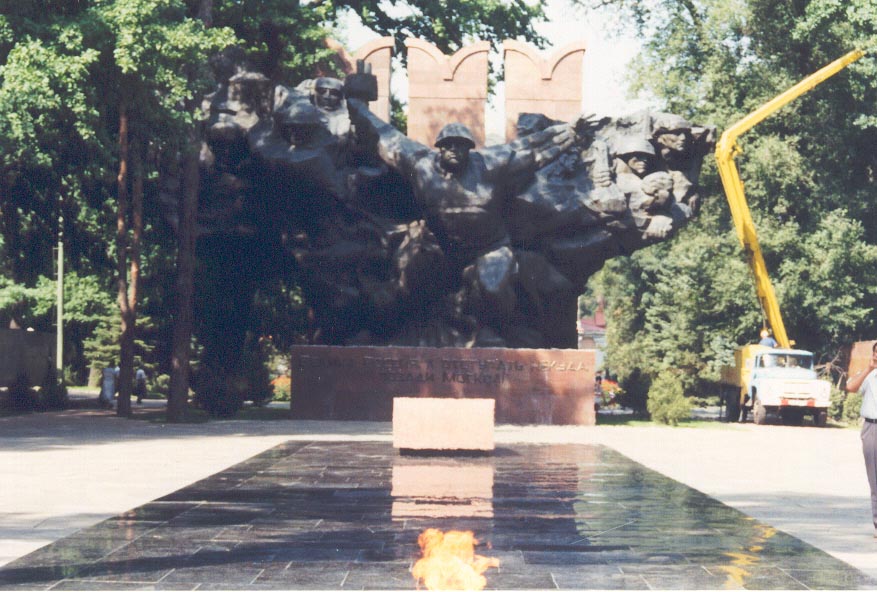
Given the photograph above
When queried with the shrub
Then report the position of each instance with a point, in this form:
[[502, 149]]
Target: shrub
[[21, 396], [53, 392], [215, 393], [852, 406], [634, 392], [667, 403], [222, 390], [161, 385], [282, 390], [836, 407], [253, 381]]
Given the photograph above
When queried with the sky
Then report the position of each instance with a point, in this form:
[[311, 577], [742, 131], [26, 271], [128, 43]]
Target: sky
[[604, 89], [605, 63]]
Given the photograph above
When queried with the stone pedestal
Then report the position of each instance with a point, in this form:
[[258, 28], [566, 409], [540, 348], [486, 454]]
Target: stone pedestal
[[443, 424], [529, 386]]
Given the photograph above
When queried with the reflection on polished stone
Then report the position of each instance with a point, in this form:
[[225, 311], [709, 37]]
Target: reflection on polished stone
[[442, 491], [339, 515]]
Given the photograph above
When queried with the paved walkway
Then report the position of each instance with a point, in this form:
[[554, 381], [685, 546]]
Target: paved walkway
[[66, 471]]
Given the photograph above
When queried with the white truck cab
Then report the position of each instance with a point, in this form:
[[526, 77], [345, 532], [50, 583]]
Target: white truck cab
[[779, 381], [783, 381]]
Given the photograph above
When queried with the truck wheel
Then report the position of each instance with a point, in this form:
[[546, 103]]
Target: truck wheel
[[759, 413], [820, 418]]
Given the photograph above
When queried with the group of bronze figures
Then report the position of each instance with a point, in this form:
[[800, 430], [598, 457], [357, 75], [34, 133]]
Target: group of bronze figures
[[398, 243]]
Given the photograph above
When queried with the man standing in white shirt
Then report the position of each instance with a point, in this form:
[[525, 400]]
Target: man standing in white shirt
[[865, 382]]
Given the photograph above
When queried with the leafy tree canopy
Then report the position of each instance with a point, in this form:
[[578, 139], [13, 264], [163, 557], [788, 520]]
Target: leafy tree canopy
[[70, 68], [808, 173]]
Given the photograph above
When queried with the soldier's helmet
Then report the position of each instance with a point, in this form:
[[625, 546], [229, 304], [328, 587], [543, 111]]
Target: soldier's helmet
[[454, 131], [669, 122], [330, 83], [634, 145], [299, 114]]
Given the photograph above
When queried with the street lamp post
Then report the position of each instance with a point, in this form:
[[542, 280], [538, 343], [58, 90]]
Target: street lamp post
[[59, 294]]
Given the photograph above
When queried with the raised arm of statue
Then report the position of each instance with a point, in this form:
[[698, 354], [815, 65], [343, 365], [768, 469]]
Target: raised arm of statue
[[600, 163], [395, 148], [536, 150]]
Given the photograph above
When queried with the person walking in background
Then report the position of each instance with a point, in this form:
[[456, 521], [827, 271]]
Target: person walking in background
[[865, 383], [140, 385], [108, 388]]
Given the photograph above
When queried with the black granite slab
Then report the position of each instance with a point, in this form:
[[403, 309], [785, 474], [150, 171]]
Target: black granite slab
[[326, 515]]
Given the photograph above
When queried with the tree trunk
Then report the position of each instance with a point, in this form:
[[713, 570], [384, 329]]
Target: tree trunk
[[136, 239], [180, 356], [186, 235], [205, 12], [126, 340]]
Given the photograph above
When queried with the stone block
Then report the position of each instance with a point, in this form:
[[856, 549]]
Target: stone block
[[446, 89], [425, 423], [537, 386], [379, 54], [859, 357], [551, 85]]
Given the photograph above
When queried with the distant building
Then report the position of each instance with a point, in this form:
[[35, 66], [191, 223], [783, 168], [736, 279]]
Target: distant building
[[592, 333]]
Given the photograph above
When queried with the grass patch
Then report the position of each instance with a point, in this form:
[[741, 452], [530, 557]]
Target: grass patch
[[263, 413], [197, 415], [630, 420]]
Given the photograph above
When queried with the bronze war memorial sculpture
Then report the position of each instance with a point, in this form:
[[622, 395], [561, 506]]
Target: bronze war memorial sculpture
[[393, 242]]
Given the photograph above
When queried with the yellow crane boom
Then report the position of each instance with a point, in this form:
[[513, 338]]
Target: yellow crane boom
[[726, 150]]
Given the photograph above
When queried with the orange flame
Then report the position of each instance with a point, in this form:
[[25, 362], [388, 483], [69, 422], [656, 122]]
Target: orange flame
[[449, 561]]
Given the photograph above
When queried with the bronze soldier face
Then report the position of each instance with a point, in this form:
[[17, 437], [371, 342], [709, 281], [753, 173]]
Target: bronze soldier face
[[674, 140], [638, 162], [328, 94], [454, 154]]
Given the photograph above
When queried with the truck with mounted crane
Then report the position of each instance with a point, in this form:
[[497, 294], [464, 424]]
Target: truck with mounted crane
[[764, 379]]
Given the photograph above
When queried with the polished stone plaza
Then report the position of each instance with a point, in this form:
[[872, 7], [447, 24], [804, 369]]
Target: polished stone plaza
[[346, 515]]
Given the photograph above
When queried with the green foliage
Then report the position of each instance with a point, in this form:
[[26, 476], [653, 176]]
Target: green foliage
[[852, 407], [67, 70], [161, 385], [101, 348], [215, 395], [70, 70], [286, 38], [254, 381], [836, 407], [667, 403], [53, 392], [398, 115], [282, 389], [158, 58], [21, 396], [222, 391], [687, 304], [449, 24], [634, 393]]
